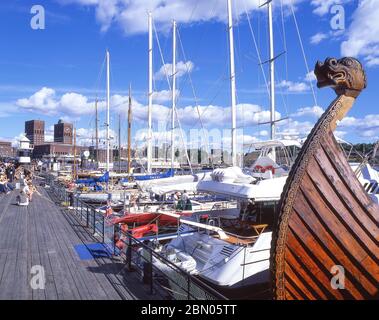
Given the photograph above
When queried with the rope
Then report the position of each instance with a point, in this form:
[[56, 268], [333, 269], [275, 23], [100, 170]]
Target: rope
[[284, 40], [176, 98], [303, 52], [196, 100], [257, 50]]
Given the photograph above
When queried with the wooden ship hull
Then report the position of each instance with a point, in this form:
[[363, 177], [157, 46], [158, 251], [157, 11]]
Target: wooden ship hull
[[325, 245]]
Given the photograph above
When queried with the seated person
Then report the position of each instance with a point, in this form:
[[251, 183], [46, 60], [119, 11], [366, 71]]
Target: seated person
[[5, 186]]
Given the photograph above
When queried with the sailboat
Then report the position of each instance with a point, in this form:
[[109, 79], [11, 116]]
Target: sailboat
[[170, 172], [102, 195], [232, 251]]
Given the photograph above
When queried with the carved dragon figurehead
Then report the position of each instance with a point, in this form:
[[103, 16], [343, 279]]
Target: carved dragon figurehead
[[346, 76]]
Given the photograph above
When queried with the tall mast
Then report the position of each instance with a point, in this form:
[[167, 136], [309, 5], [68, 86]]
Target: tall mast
[[232, 84], [74, 173], [108, 107], [272, 69], [97, 134], [272, 75], [150, 95], [129, 127], [119, 143], [173, 92]]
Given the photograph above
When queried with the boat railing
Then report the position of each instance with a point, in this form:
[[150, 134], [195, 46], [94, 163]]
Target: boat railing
[[234, 237], [221, 205], [162, 277], [87, 214]]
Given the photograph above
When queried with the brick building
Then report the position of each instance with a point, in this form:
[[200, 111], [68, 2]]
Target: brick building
[[35, 131], [63, 132], [56, 150], [6, 149]]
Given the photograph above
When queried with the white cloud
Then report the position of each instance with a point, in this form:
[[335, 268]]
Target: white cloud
[[372, 61], [247, 114], [181, 69], [334, 35], [362, 35], [243, 140], [292, 129], [366, 127], [294, 87], [322, 7], [85, 137], [318, 38], [131, 15], [310, 76], [75, 104], [45, 101], [163, 95], [41, 101], [49, 133], [16, 139], [314, 111], [70, 106]]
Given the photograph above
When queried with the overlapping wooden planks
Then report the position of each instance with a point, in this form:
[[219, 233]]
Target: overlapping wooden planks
[[327, 221]]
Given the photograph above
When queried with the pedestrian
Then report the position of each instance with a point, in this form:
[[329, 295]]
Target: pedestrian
[[12, 172]]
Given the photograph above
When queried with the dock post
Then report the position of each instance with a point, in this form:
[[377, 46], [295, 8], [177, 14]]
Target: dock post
[[103, 228], [94, 221], [129, 252], [151, 270]]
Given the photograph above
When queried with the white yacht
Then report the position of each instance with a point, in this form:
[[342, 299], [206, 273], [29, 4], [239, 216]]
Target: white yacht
[[232, 251]]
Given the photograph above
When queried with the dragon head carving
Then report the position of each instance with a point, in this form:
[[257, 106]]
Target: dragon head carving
[[346, 76]]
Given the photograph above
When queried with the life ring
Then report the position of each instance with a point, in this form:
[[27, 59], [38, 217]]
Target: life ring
[[261, 169], [271, 168]]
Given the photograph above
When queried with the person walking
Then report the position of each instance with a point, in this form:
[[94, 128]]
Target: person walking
[[12, 172]]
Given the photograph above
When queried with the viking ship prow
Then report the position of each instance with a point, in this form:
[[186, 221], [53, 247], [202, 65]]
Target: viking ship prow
[[325, 245]]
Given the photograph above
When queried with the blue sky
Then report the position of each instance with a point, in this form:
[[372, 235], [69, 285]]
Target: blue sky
[[53, 73]]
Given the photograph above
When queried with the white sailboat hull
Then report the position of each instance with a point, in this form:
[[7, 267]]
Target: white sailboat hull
[[264, 190]]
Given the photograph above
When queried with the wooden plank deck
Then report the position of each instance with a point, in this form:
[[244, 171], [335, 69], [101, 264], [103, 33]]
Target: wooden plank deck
[[44, 234]]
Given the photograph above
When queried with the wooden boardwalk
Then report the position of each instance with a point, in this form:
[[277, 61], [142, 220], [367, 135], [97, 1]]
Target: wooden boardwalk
[[44, 234]]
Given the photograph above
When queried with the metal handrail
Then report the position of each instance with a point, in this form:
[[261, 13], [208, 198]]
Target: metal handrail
[[169, 263]]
